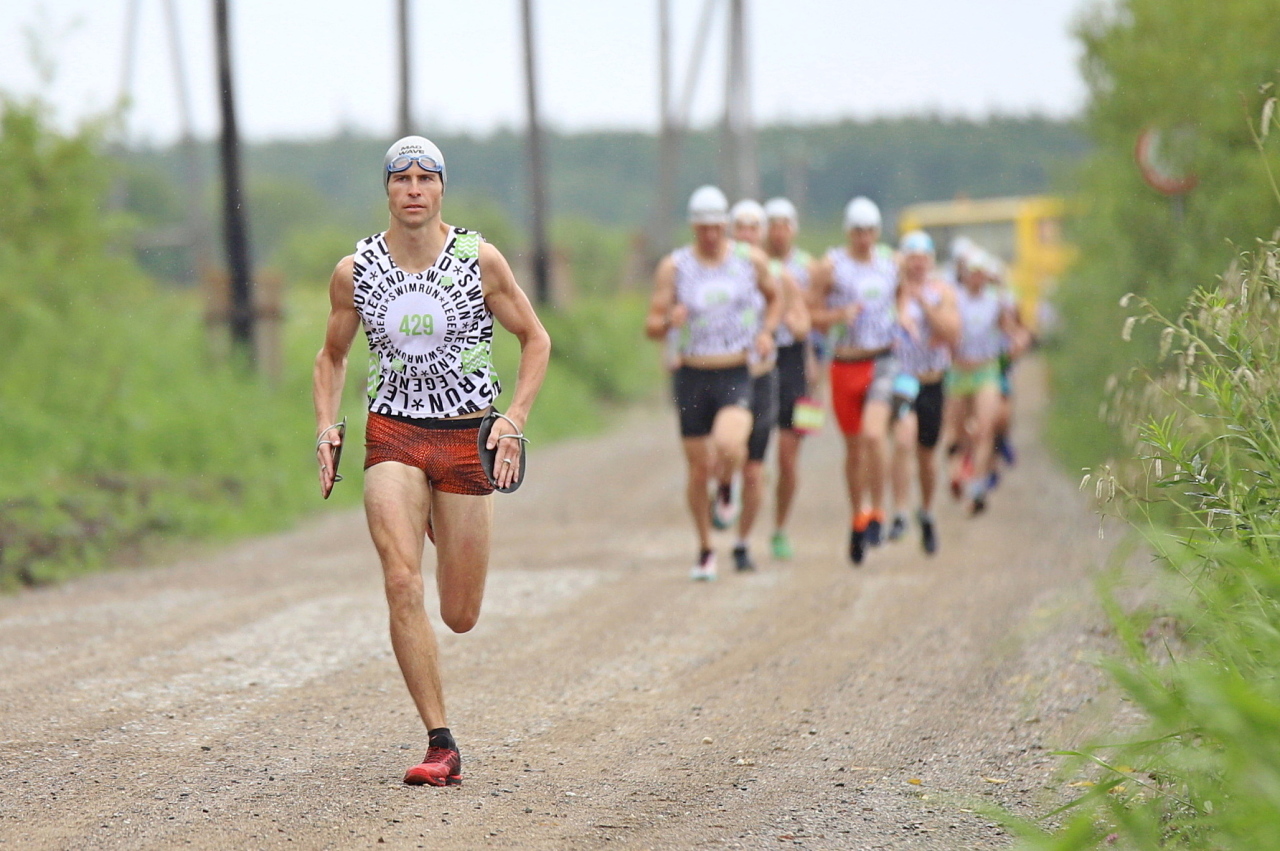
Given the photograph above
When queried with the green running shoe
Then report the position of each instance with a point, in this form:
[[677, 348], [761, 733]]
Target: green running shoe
[[781, 545]]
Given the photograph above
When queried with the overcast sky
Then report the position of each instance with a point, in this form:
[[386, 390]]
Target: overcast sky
[[305, 69]]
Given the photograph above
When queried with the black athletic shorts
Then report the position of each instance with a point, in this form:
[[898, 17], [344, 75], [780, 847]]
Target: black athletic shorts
[[701, 393], [764, 413], [928, 408], [791, 382]]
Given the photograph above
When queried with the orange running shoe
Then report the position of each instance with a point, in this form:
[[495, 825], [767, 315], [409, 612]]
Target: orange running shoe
[[440, 767]]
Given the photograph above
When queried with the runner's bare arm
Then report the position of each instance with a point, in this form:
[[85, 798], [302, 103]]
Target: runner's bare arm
[[820, 283], [773, 302], [510, 306], [796, 312], [664, 312], [330, 371], [1018, 335], [944, 317]]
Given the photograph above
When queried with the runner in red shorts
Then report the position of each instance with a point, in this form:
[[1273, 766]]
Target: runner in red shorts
[[427, 294], [851, 296]]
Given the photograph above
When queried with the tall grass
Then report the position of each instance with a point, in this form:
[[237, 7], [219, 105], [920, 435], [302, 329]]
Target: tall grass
[[137, 433], [120, 424], [1201, 662]]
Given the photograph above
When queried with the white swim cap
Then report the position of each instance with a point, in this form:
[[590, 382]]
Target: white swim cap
[[984, 261], [861, 213], [708, 206], [781, 208], [916, 242], [961, 247], [747, 212], [405, 152]]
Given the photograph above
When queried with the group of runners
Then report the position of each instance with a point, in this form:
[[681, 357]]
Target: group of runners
[[908, 354], [752, 322]]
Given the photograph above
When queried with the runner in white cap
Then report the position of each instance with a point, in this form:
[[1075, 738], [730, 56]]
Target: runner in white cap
[[427, 294], [797, 366], [987, 321], [714, 291], [748, 221], [852, 296], [928, 326]]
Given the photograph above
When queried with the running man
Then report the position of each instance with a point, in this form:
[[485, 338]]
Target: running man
[[748, 222], [987, 323], [427, 294], [796, 364], [852, 295], [928, 326], [714, 292]]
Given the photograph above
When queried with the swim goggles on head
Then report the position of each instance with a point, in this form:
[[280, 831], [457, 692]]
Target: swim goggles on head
[[403, 162]]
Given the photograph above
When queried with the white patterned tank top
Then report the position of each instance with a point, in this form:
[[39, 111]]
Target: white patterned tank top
[[798, 265], [981, 338], [872, 284], [430, 333], [724, 302], [917, 353]]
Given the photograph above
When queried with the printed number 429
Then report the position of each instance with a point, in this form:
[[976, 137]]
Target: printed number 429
[[418, 325]]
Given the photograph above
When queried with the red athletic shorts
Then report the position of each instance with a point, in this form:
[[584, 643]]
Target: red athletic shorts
[[850, 381], [444, 449]]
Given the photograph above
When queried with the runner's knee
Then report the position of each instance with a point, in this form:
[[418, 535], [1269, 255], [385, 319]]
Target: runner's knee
[[404, 589], [460, 618]]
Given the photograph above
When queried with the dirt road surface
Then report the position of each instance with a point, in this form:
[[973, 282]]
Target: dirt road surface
[[248, 698]]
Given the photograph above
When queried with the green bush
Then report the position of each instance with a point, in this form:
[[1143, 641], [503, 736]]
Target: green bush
[[1202, 70], [124, 418], [1200, 660]]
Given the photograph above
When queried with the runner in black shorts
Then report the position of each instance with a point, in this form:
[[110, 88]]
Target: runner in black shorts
[[928, 324], [701, 393], [797, 366], [719, 299]]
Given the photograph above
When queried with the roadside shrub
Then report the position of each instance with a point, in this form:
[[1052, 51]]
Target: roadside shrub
[[1201, 661]]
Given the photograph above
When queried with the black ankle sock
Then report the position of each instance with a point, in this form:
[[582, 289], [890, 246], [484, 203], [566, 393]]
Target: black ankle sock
[[702, 555], [440, 737]]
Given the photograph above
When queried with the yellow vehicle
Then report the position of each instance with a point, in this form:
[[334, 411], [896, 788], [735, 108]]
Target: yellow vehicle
[[1024, 232]]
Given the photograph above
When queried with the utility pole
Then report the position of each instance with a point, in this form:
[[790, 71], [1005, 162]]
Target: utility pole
[[741, 173], [235, 233], [537, 183], [406, 121], [668, 140], [192, 171], [673, 119], [192, 235]]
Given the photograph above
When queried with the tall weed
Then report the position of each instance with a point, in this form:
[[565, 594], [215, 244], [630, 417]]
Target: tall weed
[[1201, 663]]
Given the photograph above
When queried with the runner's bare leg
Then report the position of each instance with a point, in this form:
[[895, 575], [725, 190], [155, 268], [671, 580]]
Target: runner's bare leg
[[875, 430], [788, 475], [397, 497]]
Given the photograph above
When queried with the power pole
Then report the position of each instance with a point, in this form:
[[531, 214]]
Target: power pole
[[192, 170], [668, 142], [673, 119], [537, 182], [741, 172], [191, 235], [235, 233], [406, 121]]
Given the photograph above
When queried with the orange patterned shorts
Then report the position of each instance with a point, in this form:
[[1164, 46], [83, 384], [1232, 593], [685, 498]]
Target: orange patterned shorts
[[444, 449]]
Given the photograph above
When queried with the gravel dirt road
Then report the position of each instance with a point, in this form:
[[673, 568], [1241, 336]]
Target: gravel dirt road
[[248, 698]]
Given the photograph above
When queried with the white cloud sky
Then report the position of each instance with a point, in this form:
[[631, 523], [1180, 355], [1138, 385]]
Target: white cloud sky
[[309, 68]]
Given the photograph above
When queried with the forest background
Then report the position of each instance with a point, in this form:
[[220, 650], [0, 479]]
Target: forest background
[[138, 427]]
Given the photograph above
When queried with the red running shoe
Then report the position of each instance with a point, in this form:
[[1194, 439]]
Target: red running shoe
[[440, 767]]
